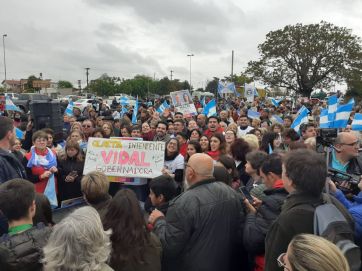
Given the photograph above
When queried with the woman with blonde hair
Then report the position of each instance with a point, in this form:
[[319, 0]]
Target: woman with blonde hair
[[311, 252], [78, 242], [252, 140]]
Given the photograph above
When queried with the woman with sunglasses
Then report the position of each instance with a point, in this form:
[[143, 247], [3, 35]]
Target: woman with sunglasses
[[311, 252]]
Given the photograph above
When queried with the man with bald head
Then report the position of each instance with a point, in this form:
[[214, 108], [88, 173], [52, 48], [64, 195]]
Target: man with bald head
[[201, 224], [345, 154]]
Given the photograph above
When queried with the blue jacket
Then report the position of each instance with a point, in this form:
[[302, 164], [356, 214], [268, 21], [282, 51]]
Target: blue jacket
[[355, 209]]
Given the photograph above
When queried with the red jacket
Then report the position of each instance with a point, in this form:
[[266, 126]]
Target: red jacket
[[209, 134]]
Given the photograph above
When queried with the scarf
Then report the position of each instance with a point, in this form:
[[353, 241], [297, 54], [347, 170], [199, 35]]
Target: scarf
[[47, 161]]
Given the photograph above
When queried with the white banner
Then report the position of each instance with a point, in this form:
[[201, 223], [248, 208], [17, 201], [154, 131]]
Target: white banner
[[183, 102], [125, 158], [249, 93]]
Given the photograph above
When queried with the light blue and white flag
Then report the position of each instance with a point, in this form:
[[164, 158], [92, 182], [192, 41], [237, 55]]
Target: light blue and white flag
[[224, 88], [275, 102], [256, 93], [124, 100], [69, 109], [302, 117], [19, 133], [210, 108], [9, 105], [253, 114], [276, 118], [135, 112], [323, 119], [332, 108], [162, 107], [270, 149], [124, 110], [357, 122], [50, 193], [342, 114], [203, 102]]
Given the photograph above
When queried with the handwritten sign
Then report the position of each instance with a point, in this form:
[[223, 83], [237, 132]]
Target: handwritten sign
[[183, 102], [125, 158]]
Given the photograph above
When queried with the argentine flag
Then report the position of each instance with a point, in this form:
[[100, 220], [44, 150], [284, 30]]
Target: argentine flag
[[9, 105], [253, 114], [124, 100], [357, 122], [135, 111], [162, 107], [342, 114], [302, 117], [19, 133], [323, 120], [274, 102], [332, 107], [210, 108], [69, 109], [276, 118], [203, 102], [50, 193]]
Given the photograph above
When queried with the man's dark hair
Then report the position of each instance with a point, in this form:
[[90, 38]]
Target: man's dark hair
[[6, 125], [256, 159], [136, 127], [183, 135], [179, 113], [164, 123], [289, 117], [164, 185], [292, 134], [272, 163], [16, 197], [304, 127], [180, 121], [307, 170], [213, 117]]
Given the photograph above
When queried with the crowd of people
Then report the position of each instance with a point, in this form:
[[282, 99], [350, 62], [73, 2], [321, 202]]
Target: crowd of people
[[236, 193]]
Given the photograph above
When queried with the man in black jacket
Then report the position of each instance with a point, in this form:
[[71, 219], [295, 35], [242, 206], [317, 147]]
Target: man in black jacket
[[22, 246], [10, 167], [258, 221], [304, 177], [201, 224]]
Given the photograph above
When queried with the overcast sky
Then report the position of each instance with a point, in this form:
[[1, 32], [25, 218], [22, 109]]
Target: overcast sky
[[128, 37]]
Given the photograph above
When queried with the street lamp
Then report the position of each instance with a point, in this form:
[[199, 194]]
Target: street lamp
[[5, 35], [190, 55]]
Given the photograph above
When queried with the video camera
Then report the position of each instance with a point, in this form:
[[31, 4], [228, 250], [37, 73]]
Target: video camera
[[327, 137], [339, 177]]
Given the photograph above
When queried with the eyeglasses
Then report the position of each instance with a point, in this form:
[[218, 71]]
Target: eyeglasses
[[353, 144], [281, 261]]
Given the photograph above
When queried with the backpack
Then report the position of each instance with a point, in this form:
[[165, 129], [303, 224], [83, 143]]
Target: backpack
[[330, 224]]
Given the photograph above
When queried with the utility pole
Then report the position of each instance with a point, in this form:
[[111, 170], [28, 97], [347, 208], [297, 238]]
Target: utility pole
[[232, 64], [80, 86], [171, 74], [87, 73], [5, 35], [190, 55]]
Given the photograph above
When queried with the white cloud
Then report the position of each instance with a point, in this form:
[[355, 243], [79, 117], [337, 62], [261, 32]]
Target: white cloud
[[125, 37]]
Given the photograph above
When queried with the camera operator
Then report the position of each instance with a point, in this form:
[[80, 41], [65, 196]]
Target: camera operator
[[345, 157], [354, 208]]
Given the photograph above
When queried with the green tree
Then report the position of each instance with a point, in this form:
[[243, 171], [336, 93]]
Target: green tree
[[212, 86], [29, 85], [103, 86], [321, 95], [64, 84], [303, 57], [354, 84]]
